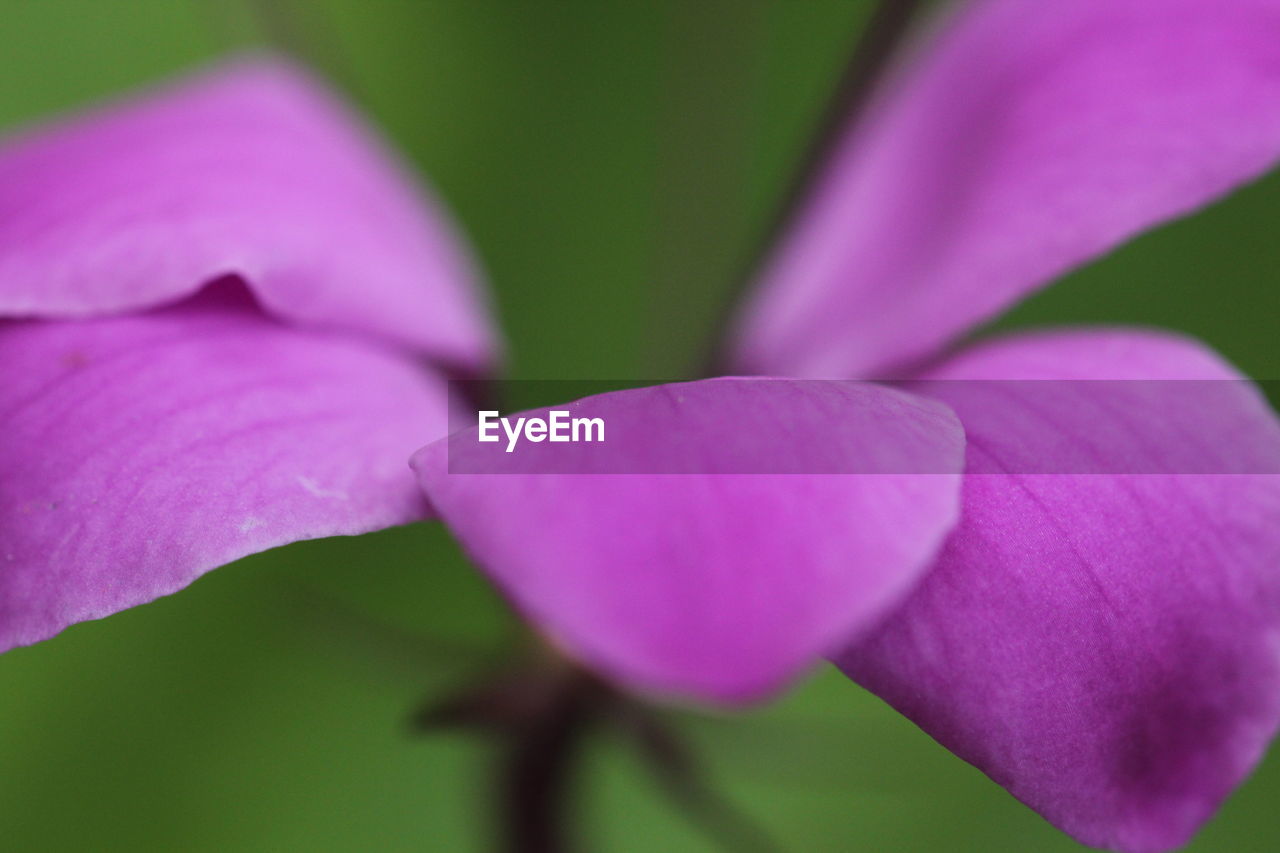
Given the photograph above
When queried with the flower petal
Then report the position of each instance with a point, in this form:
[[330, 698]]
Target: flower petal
[[1023, 139], [139, 452], [251, 170], [717, 585], [1105, 646]]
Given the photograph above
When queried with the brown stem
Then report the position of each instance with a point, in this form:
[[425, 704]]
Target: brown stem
[[536, 773], [877, 43], [539, 713]]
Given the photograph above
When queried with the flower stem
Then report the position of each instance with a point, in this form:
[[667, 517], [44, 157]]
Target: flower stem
[[877, 44], [540, 712], [536, 772]]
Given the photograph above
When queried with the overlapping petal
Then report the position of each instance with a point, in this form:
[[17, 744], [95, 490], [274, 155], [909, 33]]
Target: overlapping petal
[[1022, 139], [138, 452], [250, 170], [721, 582], [1106, 646]]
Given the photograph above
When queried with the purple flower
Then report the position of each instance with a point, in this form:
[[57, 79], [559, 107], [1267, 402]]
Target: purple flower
[[230, 323], [1107, 647], [226, 314]]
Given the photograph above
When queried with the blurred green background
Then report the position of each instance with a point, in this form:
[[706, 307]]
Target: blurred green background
[[614, 163]]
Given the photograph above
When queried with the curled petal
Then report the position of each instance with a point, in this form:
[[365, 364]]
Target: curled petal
[[712, 584], [1022, 139], [250, 170], [139, 452], [1105, 646]]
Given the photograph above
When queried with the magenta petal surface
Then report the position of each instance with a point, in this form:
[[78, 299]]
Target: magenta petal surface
[[1107, 647], [137, 453], [715, 586], [1022, 139], [253, 170]]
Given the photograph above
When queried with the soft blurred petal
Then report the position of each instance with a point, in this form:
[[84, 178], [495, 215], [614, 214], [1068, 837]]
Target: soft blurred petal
[[252, 170], [1024, 138], [1107, 647], [137, 453], [715, 585]]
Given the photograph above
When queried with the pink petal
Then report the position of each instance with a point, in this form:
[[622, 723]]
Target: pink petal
[[140, 452], [252, 170], [1107, 647], [1022, 139], [717, 585]]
